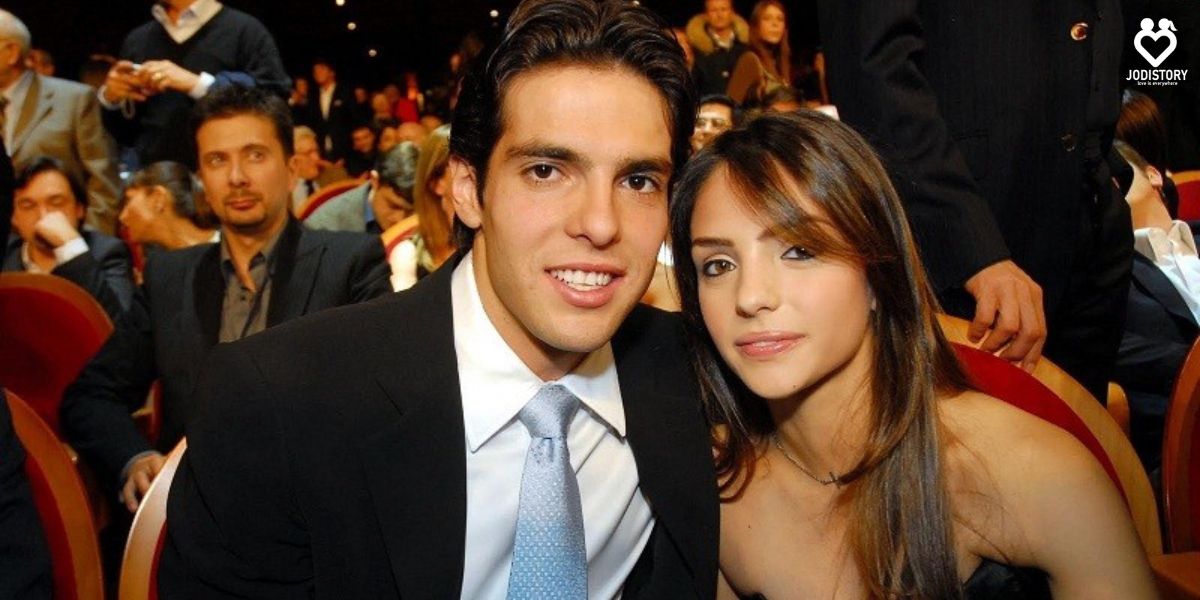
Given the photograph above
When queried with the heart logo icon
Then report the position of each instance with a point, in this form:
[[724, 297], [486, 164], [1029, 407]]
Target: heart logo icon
[[1154, 35]]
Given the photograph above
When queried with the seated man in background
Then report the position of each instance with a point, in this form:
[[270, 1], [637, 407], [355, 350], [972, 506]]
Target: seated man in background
[[384, 200], [48, 211], [312, 171], [267, 269], [1163, 311], [362, 151], [716, 115]]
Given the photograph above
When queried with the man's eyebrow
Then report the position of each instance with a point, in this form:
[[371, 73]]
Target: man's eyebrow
[[550, 151], [645, 165]]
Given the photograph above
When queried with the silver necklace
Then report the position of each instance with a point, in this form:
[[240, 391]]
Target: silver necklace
[[833, 479]]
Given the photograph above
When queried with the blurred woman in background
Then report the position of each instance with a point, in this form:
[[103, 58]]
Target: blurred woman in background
[[164, 206]]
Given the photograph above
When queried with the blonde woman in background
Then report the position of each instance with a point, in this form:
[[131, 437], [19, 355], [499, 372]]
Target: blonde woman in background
[[431, 244]]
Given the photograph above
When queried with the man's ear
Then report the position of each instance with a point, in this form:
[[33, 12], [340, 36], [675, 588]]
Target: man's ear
[[465, 192], [293, 172], [1155, 177]]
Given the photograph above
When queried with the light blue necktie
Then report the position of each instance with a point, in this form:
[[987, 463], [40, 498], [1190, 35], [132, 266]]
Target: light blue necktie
[[549, 556]]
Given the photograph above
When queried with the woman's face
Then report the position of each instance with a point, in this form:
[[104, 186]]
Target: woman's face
[[142, 209], [771, 25], [783, 319]]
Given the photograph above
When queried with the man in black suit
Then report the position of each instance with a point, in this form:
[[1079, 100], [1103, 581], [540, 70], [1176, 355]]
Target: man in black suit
[[332, 111], [49, 207], [994, 119], [266, 270], [406, 447], [1161, 319]]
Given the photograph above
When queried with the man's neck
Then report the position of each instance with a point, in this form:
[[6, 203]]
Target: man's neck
[[1150, 213], [184, 234], [723, 36], [41, 256], [10, 77], [328, 86], [175, 8], [244, 246]]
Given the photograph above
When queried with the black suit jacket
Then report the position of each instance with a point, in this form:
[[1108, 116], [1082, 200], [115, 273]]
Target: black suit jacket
[[988, 115], [330, 460], [343, 116], [1159, 331], [176, 321], [104, 270]]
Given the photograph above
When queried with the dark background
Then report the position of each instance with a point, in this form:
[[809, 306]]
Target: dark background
[[407, 34]]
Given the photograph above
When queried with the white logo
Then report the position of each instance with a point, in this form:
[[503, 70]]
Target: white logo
[[1165, 29]]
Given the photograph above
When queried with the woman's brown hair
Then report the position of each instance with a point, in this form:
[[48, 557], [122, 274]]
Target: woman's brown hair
[[900, 529], [776, 58], [432, 222]]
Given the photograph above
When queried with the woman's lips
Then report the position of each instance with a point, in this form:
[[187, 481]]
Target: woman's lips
[[767, 344]]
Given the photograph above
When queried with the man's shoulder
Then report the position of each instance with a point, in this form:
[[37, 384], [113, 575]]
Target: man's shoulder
[[101, 244], [229, 16], [66, 88], [172, 261], [351, 242], [651, 330]]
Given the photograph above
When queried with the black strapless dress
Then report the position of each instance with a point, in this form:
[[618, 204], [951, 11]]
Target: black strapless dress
[[996, 581]]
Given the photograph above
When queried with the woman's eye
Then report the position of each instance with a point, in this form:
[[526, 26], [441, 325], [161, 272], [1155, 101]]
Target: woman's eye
[[715, 267], [797, 253]]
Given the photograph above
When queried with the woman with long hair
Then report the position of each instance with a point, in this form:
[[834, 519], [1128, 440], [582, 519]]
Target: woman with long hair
[[767, 64], [431, 244], [164, 206], [854, 458]]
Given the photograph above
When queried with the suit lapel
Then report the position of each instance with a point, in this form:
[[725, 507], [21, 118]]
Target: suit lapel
[[297, 259], [1156, 285], [38, 102], [208, 285], [673, 462], [416, 465]]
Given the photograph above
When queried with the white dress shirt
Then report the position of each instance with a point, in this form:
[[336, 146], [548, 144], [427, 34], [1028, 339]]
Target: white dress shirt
[[62, 254], [15, 95], [190, 20], [496, 385], [1174, 253]]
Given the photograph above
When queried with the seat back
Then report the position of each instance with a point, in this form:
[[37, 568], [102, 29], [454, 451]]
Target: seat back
[[1052, 394], [52, 328], [1181, 458], [325, 194], [1187, 183], [398, 232], [62, 506], [139, 566]]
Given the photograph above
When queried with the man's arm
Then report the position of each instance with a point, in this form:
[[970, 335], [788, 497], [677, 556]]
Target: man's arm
[[96, 409], [97, 152], [105, 272], [880, 91], [1148, 364], [232, 525]]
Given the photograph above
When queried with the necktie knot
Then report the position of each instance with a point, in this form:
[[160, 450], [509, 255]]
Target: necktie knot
[[549, 413]]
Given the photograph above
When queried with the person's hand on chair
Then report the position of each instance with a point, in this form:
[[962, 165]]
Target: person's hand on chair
[[1009, 310], [141, 475]]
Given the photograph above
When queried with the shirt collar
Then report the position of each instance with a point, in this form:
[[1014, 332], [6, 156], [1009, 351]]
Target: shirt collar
[[190, 20], [266, 253], [496, 385], [1155, 243], [17, 89], [27, 260]]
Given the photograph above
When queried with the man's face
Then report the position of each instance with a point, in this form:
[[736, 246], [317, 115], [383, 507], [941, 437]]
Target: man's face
[[720, 14], [322, 74], [306, 161], [246, 176], [574, 209], [712, 120], [47, 192], [364, 140], [11, 62]]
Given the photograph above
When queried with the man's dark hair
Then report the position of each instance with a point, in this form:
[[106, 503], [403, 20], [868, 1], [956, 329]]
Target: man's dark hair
[[235, 100], [49, 164], [608, 33], [321, 60], [397, 168], [723, 100]]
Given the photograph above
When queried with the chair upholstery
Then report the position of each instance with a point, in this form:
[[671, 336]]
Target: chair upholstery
[[325, 194], [52, 328], [139, 567], [62, 506], [1187, 183], [400, 231], [1181, 458]]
